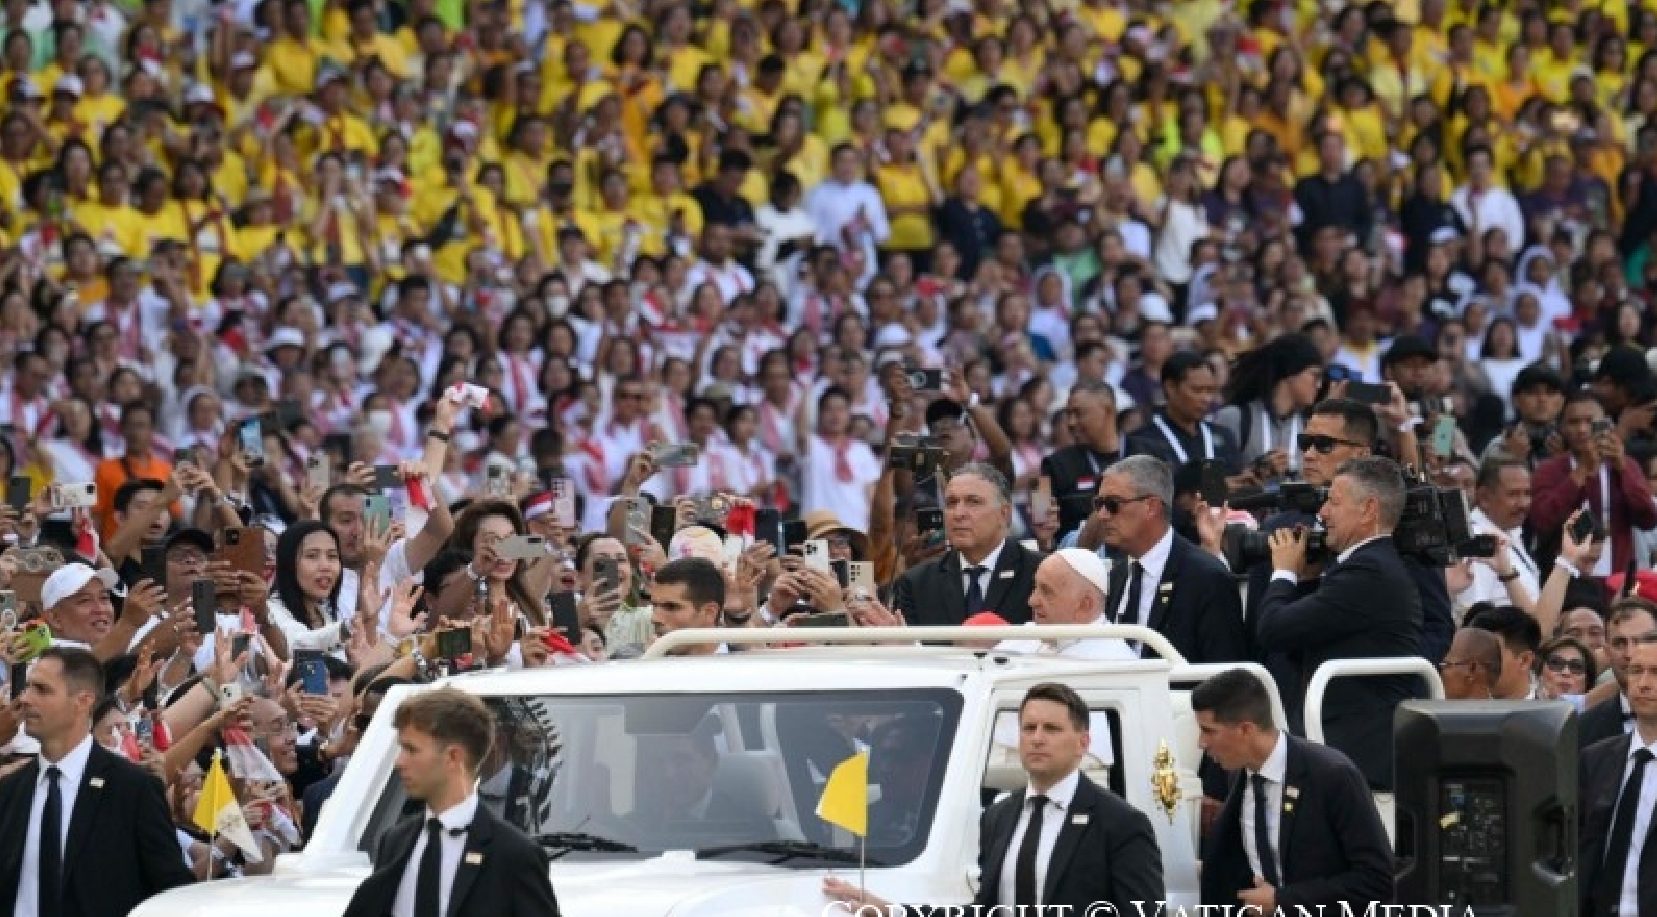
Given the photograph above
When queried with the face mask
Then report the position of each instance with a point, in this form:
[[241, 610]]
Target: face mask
[[558, 304]]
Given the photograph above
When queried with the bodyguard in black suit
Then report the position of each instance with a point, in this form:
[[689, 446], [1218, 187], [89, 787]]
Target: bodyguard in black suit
[[1362, 608], [1618, 783], [83, 832], [494, 868], [1630, 623], [1167, 584], [1090, 845], [978, 512], [1073, 472], [1299, 828]]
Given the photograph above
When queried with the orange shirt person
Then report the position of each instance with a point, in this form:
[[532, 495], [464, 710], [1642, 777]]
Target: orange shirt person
[[138, 429]]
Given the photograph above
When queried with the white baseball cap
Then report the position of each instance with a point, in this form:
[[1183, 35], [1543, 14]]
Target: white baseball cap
[[69, 579]]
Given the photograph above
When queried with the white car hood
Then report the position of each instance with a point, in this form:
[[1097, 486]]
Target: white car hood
[[667, 886]]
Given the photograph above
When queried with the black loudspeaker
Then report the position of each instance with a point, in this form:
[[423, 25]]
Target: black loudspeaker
[[1487, 806]]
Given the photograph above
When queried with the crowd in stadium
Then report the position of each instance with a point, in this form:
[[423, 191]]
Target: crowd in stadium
[[326, 300]]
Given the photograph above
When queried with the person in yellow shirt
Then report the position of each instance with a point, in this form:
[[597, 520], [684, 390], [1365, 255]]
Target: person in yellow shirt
[[340, 129], [619, 233], [908, 195], [757, 103], [256, 230], [526, 162], [365, 40], [337, 218], [671, 217], [210, 237], [62, 122], [293, 57], [115, 227], [1552, 70], [684, 59], [98, 107], [160, 214]]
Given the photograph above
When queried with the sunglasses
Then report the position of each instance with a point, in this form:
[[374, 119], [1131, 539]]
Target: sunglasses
[[1113, 505], [1571, 666], [1322, 445]]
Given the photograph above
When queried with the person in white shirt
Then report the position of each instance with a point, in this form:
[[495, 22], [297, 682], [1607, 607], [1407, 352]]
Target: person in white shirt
[[1485, 205], [717, 267], [844, 206], [1502, 497], [1070, 588], [840, 471], [456, 858]]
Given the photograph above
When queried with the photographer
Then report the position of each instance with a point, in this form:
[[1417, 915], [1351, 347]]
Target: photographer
[[1538, 396], [1338, 431], [1357, 611], [1596, 472]]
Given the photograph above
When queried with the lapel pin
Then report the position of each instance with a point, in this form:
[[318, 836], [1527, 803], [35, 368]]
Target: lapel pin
[[1006, 574], [1079, 818], [1166, 587], [474, 858], [97, 783], [1288, 808], [1293, 792]]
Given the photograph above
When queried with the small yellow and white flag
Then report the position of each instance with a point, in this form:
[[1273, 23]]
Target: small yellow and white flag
[[218, 812], [845, 801]]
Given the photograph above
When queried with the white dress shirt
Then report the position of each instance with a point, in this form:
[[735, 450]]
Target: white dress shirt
[[985, 578], [1485, 586], [1629, 902], [1493, 208], [1275, 770], [1153, 563], [1059, 798], [73, 767], [457, 818]]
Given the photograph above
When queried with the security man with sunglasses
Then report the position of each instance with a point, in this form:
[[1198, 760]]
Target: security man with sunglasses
[[1340, 429]]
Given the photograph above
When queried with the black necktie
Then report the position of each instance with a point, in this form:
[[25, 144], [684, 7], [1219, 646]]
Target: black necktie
[[975, 592], [51, 847], [1129, 613], [1622, 832], [1024, 868], [428, 882], [1262, 833]]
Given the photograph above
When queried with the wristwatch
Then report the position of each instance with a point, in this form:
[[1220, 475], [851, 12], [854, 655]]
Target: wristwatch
[[1508, 578]]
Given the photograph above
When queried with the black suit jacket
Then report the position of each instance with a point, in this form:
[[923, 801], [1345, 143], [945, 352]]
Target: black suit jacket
[[1112, 856], [120, 847], [315, 796], [1074, 474], [1148, 440], [1438, 623], [1358, 611], [1602, 721], [1332, 845], [1196, 605], [501, 873], [1600, 777], [933, 594]]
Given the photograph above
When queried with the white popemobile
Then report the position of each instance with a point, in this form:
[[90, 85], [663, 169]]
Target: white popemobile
[[688, 786]]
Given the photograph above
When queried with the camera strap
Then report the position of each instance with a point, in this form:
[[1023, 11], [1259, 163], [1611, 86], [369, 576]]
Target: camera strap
[[1288, 438], [1173, 439]]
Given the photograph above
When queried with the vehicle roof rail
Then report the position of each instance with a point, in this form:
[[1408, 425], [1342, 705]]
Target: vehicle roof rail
[[828, 636]]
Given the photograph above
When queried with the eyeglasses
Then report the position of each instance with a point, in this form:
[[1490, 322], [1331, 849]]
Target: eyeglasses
[[1322, 445], [1571, 666], [1113, 505]]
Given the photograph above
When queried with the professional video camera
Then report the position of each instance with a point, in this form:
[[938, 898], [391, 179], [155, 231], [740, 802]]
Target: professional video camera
[[1434, 527]]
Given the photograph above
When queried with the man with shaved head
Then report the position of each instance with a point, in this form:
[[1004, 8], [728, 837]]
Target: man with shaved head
[[1473, 666], [1070, 588]]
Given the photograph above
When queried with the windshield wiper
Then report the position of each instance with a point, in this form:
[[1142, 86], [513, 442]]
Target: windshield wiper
[[566, 841], [788, 850]]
